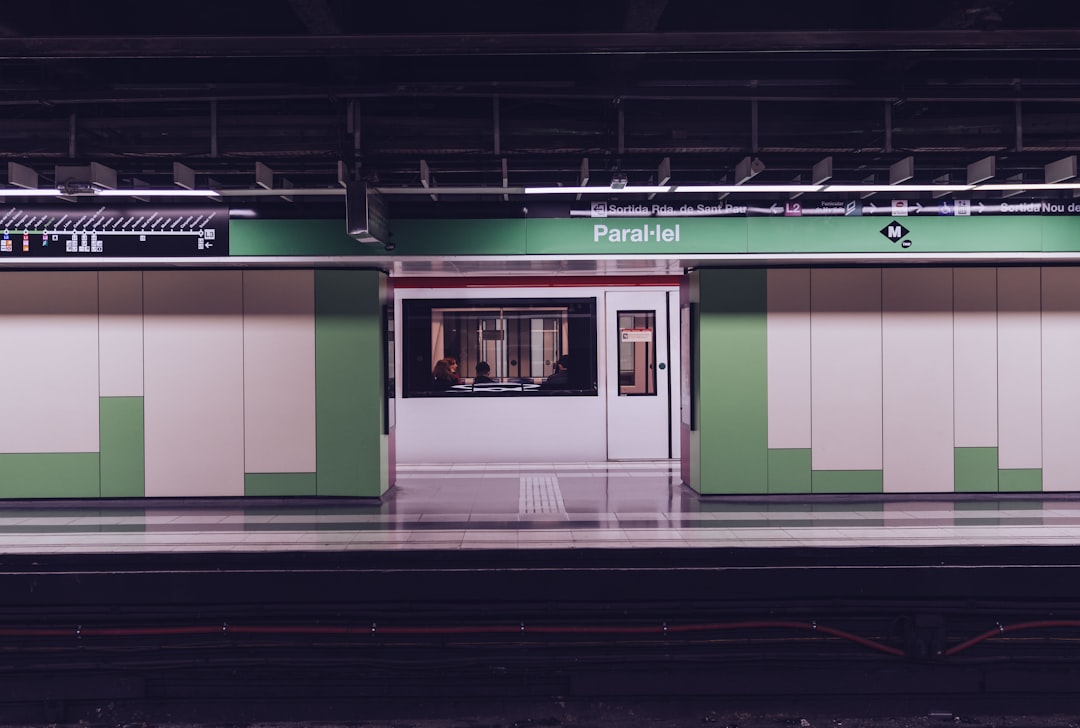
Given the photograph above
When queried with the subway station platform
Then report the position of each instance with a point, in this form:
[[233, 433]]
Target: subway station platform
[[473, 585], [611, 505]]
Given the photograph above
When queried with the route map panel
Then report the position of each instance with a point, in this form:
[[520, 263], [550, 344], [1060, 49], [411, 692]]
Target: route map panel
[[113, 232]]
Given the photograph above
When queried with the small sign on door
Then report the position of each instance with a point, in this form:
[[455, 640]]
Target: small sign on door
[[626, 335]]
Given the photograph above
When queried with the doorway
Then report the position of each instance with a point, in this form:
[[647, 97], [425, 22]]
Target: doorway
[[639, 382]]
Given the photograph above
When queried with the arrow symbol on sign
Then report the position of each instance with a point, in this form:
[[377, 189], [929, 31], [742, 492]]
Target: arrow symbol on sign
[[872, 206], [775, 209], [981, 207], [917, 208]]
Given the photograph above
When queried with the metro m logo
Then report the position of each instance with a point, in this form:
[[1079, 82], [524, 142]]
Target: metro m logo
[[894, 231]]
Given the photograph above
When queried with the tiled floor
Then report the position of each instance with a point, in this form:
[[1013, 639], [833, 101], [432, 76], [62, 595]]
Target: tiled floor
[[547, 506]]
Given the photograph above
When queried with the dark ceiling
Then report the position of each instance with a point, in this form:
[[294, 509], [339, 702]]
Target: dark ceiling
[[494, 94]]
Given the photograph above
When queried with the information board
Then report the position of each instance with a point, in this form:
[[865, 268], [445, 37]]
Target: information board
[[113, 232]]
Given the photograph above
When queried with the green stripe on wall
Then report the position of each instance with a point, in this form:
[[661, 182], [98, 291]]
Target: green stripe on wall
[[789, 470], [279, 484], [848, 481], [350, 458], [975, 469], [1020, 480], [123, 451], [732, 381], [295, 237], [50, 475]]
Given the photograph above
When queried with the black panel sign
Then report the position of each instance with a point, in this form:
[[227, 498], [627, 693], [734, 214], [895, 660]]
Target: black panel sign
[[804, 207], [113, 232]]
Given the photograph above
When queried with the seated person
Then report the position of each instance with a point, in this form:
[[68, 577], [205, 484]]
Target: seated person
[[560, 379], [483, 374], [444, 375]]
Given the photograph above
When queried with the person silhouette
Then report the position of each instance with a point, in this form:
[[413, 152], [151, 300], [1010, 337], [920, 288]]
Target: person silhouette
[[444, 375], [483, 373], [560, 378]]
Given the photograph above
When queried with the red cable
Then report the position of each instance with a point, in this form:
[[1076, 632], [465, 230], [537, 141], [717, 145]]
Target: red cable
[[447, 630], [1002, 629]]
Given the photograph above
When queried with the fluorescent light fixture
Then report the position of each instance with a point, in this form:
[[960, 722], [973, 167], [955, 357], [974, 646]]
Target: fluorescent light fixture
[[156, 193], [638, 189], [1009, 186], [30, 193], [896, 188], [746, 188]]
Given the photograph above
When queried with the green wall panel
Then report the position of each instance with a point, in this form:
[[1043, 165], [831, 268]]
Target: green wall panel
[[975, 469], [650, 235], [458, 237], [1061, 234], [789, 470], [928, 234], [847, 481], [351, 449], [123, 452], [295, 238], [730, 370], [1020, 480], [279, 484], [50, 475]]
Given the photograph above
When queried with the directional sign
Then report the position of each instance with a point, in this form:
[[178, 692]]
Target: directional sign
[[104, 232], [807, 206]]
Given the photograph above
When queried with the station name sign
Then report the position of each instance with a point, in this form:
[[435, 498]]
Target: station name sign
[[646, 233]]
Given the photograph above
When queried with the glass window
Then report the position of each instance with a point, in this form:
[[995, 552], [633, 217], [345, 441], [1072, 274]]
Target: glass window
[[637, 353], [499, 347]]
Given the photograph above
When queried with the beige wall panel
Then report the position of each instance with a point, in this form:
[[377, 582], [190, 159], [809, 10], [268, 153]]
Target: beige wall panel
[[1061, 385], [49, 341], [120, 333], [788, 332], [917, 386], [845, 356], [194, 383], [1019, 368], [279, 371], [975, 352]]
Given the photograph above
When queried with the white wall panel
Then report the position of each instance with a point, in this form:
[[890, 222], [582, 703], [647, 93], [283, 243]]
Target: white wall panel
[[917, 353], [845, 355], [788, 332], [1019, 368], [49, 341], [121, 333], [279, 371], [1061, 382], [503, 430], [975, 351], [194, 383]]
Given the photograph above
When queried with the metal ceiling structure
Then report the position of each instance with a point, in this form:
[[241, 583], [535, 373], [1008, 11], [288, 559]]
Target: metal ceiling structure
[[453, 108]]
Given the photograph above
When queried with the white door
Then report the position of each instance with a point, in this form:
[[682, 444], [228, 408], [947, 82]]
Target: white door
[[638, 375]]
